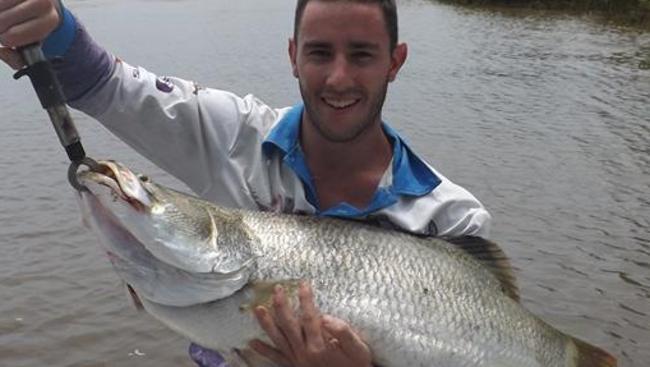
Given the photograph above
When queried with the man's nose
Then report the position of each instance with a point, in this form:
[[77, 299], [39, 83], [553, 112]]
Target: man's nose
[[341, 75]]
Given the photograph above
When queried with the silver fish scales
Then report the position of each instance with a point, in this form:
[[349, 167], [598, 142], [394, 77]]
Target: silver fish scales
[[200, 269]]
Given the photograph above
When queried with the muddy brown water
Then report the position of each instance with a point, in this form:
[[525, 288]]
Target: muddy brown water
[[545, 118]]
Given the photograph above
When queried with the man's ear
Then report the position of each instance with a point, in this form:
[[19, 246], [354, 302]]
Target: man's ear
[[293, 49], [398, 58]]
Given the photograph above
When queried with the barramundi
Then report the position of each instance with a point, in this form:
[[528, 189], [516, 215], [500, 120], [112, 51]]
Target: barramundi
[[201, 269]]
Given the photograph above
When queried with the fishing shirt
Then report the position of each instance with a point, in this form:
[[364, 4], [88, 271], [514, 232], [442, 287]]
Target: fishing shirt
[[238, 151]]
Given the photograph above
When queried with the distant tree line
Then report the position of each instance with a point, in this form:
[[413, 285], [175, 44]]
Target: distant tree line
[[634, 11]]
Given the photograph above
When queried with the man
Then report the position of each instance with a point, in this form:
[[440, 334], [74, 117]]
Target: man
[[332, 155]]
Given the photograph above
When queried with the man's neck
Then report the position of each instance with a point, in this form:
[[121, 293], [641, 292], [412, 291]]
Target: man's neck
[[349, 171]]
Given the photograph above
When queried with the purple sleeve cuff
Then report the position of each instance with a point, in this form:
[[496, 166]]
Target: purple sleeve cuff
[[205, 357], [84, 66]]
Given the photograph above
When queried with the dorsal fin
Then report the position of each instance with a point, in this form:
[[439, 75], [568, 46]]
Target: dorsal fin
[[491, 255]]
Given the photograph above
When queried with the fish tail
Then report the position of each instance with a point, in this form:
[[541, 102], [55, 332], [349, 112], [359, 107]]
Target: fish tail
[[587, 355]]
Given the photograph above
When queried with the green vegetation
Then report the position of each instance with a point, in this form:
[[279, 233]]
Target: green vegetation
[[632, 12]]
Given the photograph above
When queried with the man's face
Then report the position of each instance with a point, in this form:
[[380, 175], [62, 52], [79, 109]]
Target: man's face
[[343, 63]]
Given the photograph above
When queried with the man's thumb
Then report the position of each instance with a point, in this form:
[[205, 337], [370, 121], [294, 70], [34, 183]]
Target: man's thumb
[[11, 58]]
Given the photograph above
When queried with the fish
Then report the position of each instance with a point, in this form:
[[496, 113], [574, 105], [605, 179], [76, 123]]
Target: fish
[[201, 269]]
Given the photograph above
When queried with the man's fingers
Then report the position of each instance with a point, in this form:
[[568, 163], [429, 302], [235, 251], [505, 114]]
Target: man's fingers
[[268, 325], [23, 12], [349, 340], [286, 320], [11, 57], [31, 31], [310, 317], [28, 22], [8, 4], [269, 352]]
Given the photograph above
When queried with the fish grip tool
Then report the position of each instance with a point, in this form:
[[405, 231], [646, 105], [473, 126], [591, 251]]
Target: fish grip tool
[[48, 89]]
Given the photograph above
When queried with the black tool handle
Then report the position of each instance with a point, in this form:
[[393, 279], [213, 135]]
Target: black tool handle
[[47, 87]]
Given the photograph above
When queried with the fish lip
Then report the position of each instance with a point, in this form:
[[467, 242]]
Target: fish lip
[[105, 168], [106, 173], [103, 173]]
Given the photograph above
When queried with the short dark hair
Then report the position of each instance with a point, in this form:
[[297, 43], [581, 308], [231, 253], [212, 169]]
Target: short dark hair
[[388, 7]]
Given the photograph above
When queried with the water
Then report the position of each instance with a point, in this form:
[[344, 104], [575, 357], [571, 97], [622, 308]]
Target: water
[[544, 117]]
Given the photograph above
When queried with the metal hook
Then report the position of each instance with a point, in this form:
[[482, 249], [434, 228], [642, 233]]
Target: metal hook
[[72, 171]]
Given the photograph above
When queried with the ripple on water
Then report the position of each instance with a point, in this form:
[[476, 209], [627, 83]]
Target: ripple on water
[[632, 310], [544, 118]]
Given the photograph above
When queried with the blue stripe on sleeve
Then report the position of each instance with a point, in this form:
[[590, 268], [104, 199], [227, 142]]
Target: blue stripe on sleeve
[[59, 41]]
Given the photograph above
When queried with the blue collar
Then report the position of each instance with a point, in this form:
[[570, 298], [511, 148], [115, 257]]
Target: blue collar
[[411, 176]]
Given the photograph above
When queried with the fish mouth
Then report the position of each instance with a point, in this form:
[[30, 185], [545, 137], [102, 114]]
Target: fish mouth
[[123, 184], [106, 168], [104, 173]]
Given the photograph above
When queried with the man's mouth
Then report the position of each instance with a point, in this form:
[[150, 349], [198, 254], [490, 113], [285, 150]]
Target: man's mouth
[[339, 103]]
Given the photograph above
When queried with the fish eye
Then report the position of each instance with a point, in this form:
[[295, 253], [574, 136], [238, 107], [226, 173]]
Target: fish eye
[[143, 178]]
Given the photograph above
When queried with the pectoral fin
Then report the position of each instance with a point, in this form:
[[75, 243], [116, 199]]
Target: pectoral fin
[[263, 293]]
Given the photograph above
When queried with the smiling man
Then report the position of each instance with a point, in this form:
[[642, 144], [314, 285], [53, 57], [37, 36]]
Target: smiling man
[[331, 155], [344, 57]]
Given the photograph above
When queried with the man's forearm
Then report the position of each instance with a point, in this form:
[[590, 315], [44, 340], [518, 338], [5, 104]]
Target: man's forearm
[[81, 64]]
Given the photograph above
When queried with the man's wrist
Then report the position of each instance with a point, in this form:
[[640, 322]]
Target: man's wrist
[[59, 41]]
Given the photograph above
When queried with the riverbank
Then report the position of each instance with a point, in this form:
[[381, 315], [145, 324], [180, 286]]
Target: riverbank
[[635, 13]]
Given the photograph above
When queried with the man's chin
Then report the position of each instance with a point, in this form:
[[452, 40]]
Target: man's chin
[[341, 136]]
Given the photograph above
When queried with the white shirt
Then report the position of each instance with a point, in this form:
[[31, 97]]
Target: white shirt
[[239, 152]]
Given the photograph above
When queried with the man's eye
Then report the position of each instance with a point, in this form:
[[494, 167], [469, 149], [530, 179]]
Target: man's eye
[[319, 53], [362, 58], [362, 55]]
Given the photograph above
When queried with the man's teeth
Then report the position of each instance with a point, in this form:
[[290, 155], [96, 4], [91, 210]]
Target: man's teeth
[[340, 103]]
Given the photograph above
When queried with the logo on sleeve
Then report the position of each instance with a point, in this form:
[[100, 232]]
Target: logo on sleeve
[[164, 85]]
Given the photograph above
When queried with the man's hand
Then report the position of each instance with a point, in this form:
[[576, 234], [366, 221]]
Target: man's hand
[[310, 339], [23, 22]]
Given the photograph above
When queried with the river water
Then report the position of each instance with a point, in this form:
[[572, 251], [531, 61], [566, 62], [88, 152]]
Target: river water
[[544, 117]]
